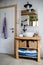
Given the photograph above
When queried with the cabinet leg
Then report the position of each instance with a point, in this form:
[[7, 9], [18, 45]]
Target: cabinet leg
[[38, 51], [17, 47]]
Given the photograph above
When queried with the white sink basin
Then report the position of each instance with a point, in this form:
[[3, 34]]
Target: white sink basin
[[28, 34]]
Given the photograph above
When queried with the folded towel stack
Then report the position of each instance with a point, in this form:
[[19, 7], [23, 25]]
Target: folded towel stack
[[26, 52]]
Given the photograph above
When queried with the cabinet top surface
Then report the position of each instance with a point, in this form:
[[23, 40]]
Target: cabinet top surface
[[27, 38]]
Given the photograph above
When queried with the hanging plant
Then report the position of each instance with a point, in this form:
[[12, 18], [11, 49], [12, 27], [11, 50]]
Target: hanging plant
[[33, 18]]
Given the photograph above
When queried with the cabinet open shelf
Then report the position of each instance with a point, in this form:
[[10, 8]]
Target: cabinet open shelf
[[27, 56], [27, 52]]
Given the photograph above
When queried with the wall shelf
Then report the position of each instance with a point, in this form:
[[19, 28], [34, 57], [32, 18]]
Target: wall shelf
[[25, 12]]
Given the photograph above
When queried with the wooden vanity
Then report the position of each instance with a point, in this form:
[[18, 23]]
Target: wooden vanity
[[23, 42]]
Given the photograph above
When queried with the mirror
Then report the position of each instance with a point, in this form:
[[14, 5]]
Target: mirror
[[28, 19]]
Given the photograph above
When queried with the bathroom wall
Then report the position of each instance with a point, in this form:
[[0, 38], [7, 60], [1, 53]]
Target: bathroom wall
[[38, 6]]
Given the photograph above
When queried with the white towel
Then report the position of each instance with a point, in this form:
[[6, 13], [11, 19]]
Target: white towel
[[30, 51], [21, 51], [27, 51]]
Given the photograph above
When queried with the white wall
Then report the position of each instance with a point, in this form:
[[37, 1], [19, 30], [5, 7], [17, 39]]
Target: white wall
[[38, 6]]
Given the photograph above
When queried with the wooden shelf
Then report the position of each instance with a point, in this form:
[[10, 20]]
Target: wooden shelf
[[29, 48], [27, 38], [25, 12], [27, 56]]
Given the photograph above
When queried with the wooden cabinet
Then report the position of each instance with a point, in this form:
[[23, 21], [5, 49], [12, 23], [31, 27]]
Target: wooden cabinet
[[32, 44], [28, 43]]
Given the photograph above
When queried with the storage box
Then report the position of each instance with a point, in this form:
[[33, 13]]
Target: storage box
[[22, 44], [32, 44]]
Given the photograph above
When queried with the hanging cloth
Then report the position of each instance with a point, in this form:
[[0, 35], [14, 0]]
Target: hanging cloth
[[5, 28]]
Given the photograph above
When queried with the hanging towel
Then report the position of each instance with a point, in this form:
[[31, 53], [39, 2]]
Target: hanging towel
[[5, 28]]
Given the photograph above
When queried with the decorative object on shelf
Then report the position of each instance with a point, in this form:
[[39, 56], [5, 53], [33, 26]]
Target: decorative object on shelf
[[36, 35], [33, 18], [32, 10]]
